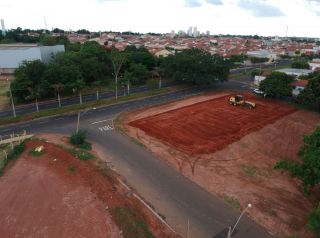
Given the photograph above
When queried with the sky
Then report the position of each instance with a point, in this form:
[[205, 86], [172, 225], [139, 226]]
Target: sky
[[241, 17]]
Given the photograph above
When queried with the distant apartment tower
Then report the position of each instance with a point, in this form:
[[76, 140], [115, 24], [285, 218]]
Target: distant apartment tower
[[208, 33], [195, 31], [172, 34], [3, 28], [190, 31]]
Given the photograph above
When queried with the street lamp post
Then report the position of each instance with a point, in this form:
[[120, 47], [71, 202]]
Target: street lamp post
[[231, 229], [78, 119]]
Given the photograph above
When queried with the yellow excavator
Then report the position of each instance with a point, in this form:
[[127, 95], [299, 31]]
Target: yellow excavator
[[239, 100]]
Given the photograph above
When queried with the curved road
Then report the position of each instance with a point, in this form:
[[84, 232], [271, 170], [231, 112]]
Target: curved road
[[172, 195]]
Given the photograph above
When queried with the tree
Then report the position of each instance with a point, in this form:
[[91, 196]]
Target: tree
[[139, 56], [195, 66], [314, 221], [300, 65], [277, 84], [28, 83], [117, 59], [256, 72], [48, 40], [310, 96], [308, 171], [255, 60]]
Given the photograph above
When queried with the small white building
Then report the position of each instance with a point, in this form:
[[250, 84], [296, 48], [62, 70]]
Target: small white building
[[262, 54], [314, 64], [258, 79], [295, 72], [12, 55]]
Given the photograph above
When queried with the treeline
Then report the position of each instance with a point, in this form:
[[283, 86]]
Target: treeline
[[278, 85], [89, 64]]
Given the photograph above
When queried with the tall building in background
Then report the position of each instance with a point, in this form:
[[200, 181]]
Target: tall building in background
[[190, 31], [195, 31], [3, 28], [208, 33]]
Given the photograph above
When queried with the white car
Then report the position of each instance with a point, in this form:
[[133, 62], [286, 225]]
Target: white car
[[257, 91]]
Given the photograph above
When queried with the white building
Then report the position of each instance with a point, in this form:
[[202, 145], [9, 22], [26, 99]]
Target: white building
[[295, 72], [315, 64], [258, 79], [262, 54], [12, 55]]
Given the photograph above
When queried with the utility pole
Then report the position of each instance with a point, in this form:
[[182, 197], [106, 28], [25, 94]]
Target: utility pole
[[230, 231], [78, 122], [12, 102]]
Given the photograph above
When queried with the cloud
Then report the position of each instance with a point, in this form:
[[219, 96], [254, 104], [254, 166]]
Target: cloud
[[192, 3], [260, 8], [215, 2]]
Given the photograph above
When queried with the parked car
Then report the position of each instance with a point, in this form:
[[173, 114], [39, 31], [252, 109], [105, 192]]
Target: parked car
[[257, 91]]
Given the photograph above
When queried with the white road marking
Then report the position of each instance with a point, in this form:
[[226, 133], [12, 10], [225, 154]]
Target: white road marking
[[96, 122], [106, 128]]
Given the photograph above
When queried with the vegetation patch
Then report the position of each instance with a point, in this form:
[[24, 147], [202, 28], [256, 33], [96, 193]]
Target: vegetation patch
[[250, 171], [81, 154], [36, 153], [12, 155], [72, 169], [131, 225], [79, 139], [233, 202]]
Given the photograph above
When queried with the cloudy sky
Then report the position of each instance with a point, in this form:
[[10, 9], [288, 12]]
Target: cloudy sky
[[262, 17]]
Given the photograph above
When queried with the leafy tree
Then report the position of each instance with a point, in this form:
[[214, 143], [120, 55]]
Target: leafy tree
[[48, 40], [83, 31], [256, 72], [300, 65], [139, 56], [237, 58], [138, 73], [28, 83], [277, 84], [195, 66], [308, 171], [314, 221], [57, 30], [310, 96]]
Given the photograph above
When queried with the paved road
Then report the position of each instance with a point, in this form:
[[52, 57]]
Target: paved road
[[172, 195], [271, 66]]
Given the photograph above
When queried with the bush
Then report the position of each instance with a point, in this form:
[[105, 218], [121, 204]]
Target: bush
[[14, 154], [314, 221], [78, 138], [131, 225]]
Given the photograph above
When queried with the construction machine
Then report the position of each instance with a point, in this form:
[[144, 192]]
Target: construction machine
[[239, 100]]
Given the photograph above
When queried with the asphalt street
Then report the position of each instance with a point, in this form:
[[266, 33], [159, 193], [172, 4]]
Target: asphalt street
[[172, 195]]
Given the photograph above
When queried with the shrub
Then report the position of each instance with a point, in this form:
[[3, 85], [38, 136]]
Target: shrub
[[131, 225], [13, 154], [78, 138], [314, 221]]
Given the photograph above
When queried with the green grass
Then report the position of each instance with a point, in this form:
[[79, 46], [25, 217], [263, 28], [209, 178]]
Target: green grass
[[250, 171], [233, 202], [73, 108], [81, 154], [12, 155], [4, 88], [131, 225], [36, 153]]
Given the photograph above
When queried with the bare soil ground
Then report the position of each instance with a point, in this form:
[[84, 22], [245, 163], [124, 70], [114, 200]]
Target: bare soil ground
[[237, 163], [57, 195]]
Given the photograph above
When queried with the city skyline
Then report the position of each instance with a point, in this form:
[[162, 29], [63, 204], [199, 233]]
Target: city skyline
[[239, 17]]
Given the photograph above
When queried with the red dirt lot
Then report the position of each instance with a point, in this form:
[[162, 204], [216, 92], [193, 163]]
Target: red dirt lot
[[57, 195], [238, 160], [208, 126]]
